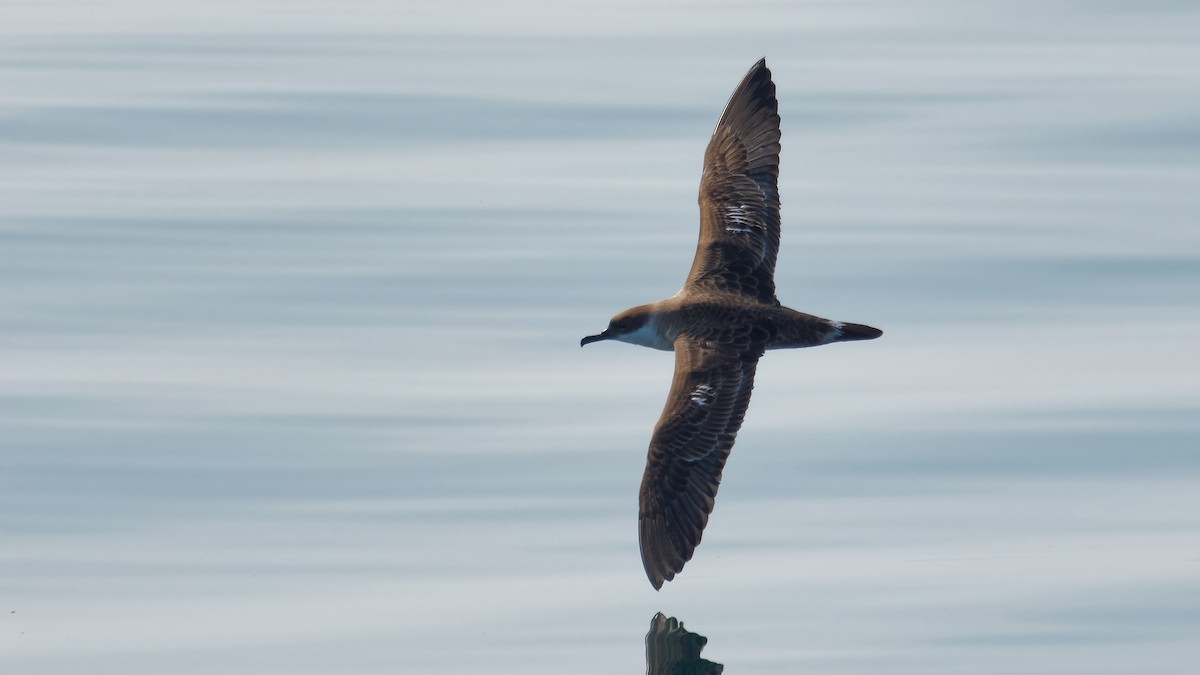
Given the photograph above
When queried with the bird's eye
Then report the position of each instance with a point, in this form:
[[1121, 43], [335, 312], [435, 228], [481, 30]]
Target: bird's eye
[[621, 325]]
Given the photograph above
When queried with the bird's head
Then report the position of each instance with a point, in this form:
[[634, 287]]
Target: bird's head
[[632, 325]]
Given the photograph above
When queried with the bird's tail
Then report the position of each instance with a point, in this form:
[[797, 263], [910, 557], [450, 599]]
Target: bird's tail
[[845, 332]]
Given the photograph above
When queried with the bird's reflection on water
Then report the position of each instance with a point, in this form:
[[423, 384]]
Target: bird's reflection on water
[[673, 650]]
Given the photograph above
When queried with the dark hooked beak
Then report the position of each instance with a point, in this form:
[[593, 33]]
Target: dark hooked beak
[[594, 338]]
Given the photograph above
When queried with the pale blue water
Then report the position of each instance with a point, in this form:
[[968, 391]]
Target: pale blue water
[[291, 294]]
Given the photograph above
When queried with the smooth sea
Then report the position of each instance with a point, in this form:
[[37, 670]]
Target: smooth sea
[[291, 296]]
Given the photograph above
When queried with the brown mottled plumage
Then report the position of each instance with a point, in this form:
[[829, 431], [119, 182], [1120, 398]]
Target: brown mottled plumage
[[718, 325]]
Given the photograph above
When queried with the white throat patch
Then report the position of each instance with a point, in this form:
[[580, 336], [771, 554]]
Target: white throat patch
[[648, 336]]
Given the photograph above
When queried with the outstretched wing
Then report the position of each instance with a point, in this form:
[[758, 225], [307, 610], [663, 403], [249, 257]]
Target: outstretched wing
[[739, 194], [691, 442]]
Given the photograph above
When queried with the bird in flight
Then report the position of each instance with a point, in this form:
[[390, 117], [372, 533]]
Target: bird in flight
[[719, 325]]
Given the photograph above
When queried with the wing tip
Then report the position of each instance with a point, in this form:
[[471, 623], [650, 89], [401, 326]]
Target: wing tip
[[657, 578], [756, 91], [659, 557]]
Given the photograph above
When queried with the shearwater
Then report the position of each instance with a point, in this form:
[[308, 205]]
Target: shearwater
[[719, 324]]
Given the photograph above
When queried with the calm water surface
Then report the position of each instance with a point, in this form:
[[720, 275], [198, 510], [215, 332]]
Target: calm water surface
[[291, 295]]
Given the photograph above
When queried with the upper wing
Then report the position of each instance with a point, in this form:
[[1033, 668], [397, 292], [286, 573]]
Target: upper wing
[[704, 411], [739, 194]]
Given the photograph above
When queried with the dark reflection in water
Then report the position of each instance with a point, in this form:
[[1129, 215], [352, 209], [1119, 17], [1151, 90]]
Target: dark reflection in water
[[673, 650]]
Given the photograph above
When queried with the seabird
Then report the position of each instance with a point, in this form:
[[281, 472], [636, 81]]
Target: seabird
[[719, 324]]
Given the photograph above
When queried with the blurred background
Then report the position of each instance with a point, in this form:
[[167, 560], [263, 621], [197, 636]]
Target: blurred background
[[291, 296]]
